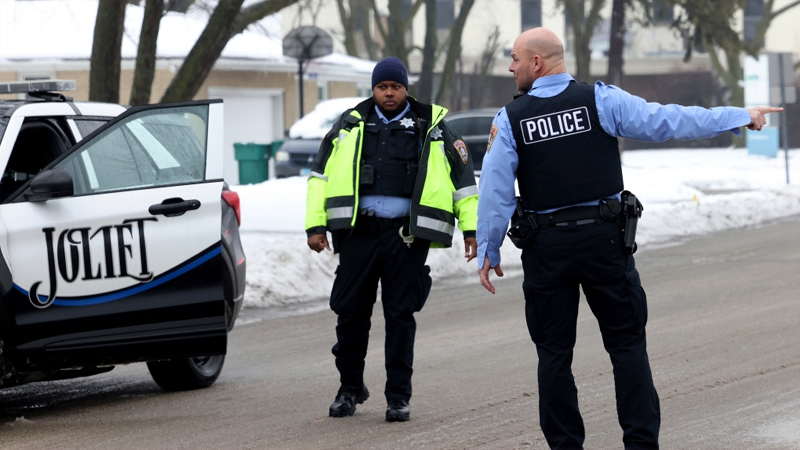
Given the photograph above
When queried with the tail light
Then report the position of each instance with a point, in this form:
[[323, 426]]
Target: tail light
[[232, 199]]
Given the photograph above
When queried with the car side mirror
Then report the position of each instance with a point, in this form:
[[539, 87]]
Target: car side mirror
[[53, 183]]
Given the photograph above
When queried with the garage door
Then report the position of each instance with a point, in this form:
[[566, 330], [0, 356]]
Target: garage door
[[251, 115]]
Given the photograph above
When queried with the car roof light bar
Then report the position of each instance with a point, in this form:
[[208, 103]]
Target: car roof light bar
[[22, 87]]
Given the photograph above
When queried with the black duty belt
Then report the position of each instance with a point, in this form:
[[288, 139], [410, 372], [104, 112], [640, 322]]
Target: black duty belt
[[568, 217], [370, 224], [524, 225]]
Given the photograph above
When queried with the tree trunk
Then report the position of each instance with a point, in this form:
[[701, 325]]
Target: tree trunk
[[225, 22], [104, 69], [349, 26], [425, 87], [616, 56], [453, 49], [146, 53], [395, 37]]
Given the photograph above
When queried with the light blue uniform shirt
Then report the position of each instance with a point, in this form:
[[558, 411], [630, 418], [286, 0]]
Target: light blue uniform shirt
[[621, 115], [383, 205]]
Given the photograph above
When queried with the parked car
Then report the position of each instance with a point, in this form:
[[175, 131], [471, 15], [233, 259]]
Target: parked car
[[295, 156], [473, 125], [297, 153], [119, 240]]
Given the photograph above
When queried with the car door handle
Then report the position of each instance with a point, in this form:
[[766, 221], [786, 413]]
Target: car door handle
[[172, 207]]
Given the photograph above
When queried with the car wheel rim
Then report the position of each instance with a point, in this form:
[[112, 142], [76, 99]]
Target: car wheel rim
[[207, 365]]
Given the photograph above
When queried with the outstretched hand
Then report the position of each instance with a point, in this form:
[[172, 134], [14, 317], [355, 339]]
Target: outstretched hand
[[484, 274], [758, 116]]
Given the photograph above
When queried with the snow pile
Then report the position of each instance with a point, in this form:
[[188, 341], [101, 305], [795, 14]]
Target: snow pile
[[316, 124]]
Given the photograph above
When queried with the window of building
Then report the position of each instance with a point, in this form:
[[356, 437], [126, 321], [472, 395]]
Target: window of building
[[753, 12], [180, 6], [445, 14], [531, 14], [322, 90], [663, 12], [364, 91]]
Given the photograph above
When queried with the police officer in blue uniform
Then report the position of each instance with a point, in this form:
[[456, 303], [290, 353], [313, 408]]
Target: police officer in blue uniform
[[560, 143]]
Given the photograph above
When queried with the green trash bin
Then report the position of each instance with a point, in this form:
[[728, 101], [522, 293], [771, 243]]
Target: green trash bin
[[253, 162]]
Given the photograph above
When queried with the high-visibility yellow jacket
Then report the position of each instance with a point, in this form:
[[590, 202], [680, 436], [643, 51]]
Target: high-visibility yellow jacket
[[444, 190]]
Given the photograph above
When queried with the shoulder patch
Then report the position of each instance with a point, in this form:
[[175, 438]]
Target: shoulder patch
[[492, 134], [462, 150]]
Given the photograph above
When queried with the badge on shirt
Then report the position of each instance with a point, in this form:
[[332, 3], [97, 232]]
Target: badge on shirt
[[462, 150], [407, 122], [492, 134]]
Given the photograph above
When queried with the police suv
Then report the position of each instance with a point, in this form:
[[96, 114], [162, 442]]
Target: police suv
[[119, 240]]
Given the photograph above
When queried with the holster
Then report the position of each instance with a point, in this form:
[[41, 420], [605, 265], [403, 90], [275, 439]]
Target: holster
[[523, 227], [631, 212]]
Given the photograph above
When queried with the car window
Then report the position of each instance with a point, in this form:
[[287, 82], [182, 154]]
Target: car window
[[160, 147], [86, 127], [38, 143], [474, 125]]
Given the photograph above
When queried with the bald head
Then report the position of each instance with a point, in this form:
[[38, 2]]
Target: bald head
[[537, 53], [543, 42]]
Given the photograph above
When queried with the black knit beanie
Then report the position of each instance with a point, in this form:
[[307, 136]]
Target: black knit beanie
[[390, 69]]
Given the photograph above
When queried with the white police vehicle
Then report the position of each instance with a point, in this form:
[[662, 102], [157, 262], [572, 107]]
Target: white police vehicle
[[119, 240]]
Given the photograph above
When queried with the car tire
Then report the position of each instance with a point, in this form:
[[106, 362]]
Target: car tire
[[186, 374]]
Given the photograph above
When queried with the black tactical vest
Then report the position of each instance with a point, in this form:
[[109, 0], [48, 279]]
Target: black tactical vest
[[565, 156], [392, 152]]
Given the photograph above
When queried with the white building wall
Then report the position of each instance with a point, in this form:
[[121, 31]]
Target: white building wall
[[784, 33]]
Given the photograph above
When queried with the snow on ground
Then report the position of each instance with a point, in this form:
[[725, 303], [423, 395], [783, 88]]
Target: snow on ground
[[685, 193]]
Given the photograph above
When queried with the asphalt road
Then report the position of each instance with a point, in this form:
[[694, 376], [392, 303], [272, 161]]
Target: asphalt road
[[723, 343]]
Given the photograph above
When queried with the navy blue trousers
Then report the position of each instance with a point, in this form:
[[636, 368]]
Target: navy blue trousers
[[375, 252], [561, 260]]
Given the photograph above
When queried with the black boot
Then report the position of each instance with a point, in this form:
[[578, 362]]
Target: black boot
[[346, 399], [398, 411]]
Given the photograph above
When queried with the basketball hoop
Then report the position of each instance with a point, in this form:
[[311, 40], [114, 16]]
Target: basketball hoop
[[306, 43]]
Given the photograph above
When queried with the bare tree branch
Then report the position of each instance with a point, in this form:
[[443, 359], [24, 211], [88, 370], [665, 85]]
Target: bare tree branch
[[453, 49], [379, 21], [256, 12], [425, 87], [364, 7], [227, 20], [783, 10], [348, 24]]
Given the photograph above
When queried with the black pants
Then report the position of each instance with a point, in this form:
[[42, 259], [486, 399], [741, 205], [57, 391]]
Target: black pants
[[591, 256], [374, 251]]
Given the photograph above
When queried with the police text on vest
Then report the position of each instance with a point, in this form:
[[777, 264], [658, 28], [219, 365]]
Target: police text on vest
[[555, 125]]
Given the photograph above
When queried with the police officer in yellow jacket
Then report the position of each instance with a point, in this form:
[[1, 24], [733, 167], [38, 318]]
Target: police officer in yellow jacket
[[389, 182]]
